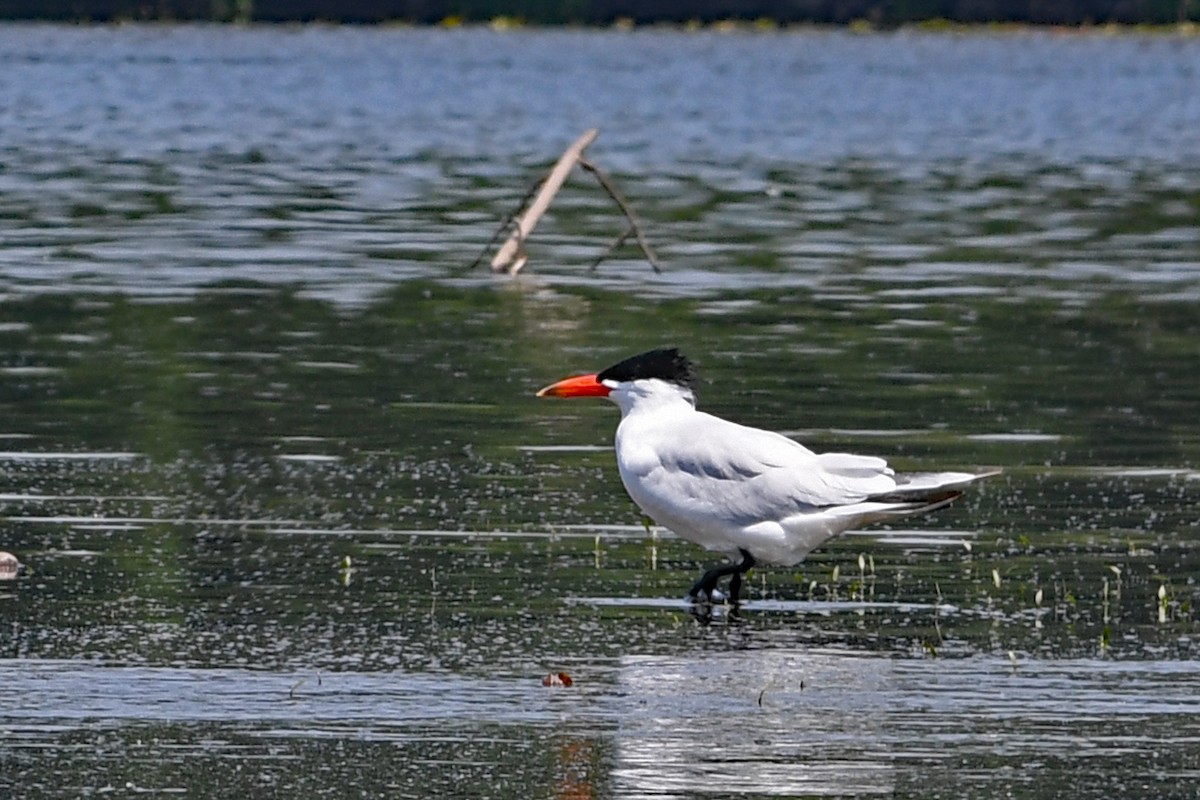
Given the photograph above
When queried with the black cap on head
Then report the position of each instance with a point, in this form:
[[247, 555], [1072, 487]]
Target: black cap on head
[[664, 363]]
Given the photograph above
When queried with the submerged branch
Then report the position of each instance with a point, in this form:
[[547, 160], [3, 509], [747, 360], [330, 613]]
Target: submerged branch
[[506, 224], [625, 209], [612, 248], [511, 256]]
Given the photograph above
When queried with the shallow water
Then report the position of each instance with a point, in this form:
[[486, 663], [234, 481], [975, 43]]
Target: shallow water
[[295, 524]]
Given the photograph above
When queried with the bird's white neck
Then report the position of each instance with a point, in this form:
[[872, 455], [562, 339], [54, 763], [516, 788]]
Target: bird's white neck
[[650, 394]]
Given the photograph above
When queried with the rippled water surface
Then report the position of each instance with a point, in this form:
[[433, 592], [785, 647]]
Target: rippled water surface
[[295, 526]]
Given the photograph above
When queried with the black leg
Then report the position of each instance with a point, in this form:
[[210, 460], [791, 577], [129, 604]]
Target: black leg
[[703, 589], [735, 580]]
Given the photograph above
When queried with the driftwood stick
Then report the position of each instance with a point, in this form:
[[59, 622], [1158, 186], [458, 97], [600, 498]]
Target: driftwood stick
[[505, 224], [620, 201], [511, 256], [612, 248]]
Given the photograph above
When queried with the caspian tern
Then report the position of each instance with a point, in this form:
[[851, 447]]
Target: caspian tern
[[757, 496]]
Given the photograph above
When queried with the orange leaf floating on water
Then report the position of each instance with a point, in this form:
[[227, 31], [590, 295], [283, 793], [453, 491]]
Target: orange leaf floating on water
[[557, 679]]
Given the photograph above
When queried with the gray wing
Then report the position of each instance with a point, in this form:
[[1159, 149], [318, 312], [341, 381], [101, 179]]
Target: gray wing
[[706, 468]]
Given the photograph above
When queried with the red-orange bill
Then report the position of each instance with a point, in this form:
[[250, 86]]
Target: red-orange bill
[[578, 386]]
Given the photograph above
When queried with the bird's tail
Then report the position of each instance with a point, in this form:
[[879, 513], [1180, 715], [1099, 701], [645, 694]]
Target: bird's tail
[[922, 492], [913, 494]]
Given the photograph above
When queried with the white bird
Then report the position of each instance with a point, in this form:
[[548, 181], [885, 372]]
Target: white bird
[[754, 495]]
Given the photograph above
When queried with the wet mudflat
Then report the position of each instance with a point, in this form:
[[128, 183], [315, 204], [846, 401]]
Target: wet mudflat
[[295, 524]]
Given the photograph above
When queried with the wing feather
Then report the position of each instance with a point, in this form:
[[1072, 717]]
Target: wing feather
[[705, 471], [727, 487]]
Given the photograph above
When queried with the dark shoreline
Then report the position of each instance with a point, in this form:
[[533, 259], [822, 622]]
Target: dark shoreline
[[863, 14]]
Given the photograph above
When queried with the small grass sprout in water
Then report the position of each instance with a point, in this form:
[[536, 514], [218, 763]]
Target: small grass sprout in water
[[652, 532], [862, 577], [770, 684]]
